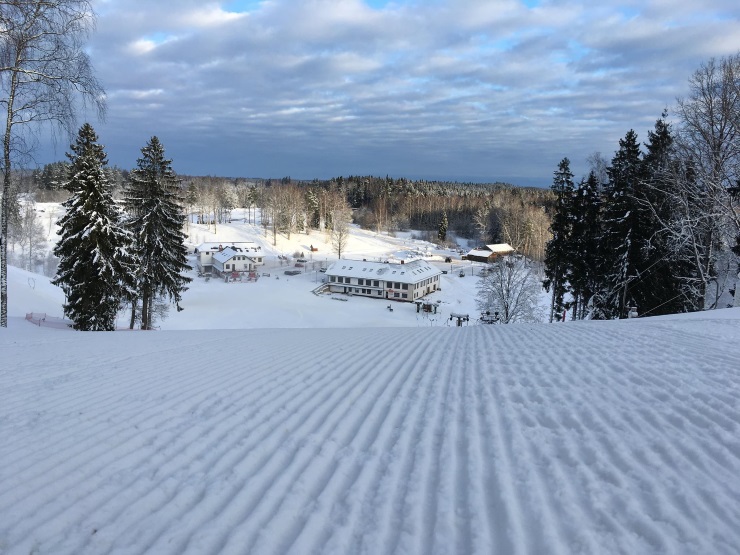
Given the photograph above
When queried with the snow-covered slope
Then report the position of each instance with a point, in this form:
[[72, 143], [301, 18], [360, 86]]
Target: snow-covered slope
[[593, 437]]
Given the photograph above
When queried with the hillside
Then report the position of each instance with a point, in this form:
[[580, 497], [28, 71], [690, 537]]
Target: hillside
[[588, 437], [265, 419]]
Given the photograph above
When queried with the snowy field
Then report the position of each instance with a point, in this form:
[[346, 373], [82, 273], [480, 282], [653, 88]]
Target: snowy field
[[366, 431]]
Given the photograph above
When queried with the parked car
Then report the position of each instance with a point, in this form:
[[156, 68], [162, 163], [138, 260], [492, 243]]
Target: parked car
[[292, 272]]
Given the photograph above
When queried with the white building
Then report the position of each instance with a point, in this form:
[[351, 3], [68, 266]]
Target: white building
[[240, 257], [400, 282]]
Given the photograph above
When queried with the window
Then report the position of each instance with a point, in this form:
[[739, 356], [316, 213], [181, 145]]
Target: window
[[376, 284], [227, 267], [405, 296], [396, 295], [405, 286]]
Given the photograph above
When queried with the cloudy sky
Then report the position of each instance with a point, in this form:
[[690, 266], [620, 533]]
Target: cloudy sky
[[464, 89]]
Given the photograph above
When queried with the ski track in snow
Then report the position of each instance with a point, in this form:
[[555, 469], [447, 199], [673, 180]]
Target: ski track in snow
[[613, 437]]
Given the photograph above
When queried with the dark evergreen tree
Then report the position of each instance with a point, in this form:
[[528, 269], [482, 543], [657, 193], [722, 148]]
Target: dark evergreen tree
[[442, 232], [667, 267], [155, 220], [558, 252], [95, 268], [585, 251], [623, 237], [313, 213]]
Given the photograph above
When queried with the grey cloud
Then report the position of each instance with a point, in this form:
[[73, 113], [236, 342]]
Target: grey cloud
[[315, 88]]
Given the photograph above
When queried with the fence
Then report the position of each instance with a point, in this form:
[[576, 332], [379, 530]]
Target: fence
[[42, 319]]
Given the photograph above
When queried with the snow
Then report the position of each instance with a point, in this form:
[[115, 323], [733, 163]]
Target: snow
[[316, 426]]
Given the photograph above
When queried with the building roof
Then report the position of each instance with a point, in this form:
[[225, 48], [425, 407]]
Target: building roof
[[410, 272], [500, 248], [213, 246], [230, 252]]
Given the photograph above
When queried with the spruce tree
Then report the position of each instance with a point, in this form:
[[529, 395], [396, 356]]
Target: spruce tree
[[667, 260], [442, 232], [585, 251], [156, 219], [558, 252], [622, 239], [95, 268]]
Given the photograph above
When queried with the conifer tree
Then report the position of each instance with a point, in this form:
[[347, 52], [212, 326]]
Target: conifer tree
[[442, 232], [667, 269], [585, 251], [622, 239], [558, 252], [156, 219], [95, 268]]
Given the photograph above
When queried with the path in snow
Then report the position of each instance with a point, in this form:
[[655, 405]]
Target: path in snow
[[613, 437]]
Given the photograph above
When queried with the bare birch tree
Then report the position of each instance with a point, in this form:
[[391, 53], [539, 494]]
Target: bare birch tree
[[340, 219], [709, 146], [44, 70], [511, 290]]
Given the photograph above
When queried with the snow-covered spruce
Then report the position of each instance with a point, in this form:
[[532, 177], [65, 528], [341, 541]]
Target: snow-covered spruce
[[95, 267]]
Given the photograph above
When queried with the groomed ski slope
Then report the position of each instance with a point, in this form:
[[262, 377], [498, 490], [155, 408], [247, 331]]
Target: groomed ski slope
[[587, 437]]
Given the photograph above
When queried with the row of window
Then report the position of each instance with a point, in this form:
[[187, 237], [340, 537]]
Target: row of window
[[374, 283], [379, 293]]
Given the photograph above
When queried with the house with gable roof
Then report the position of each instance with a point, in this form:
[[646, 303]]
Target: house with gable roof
[[405, 281], [234, 257]]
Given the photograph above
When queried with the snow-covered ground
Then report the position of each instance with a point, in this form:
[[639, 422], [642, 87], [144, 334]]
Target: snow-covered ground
[[407, 437], [280, 301]]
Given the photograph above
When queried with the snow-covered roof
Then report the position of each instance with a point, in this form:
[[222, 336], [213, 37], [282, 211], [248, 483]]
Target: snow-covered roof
[[230, 252], [500, 248], [410, 272], [213, 246]]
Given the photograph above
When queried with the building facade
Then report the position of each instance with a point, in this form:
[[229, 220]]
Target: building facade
[[380, 280]]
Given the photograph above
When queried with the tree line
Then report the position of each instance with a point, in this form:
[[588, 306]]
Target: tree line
[[657, 229], [481, 213]]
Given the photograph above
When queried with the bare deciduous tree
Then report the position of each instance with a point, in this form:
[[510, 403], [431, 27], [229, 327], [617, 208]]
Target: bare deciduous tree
[[511, 288], [43, 70], [707, 215], [30, 236], [340, 219]]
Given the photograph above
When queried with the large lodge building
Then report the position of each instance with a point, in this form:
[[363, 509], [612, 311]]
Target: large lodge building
[[405, 281]]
